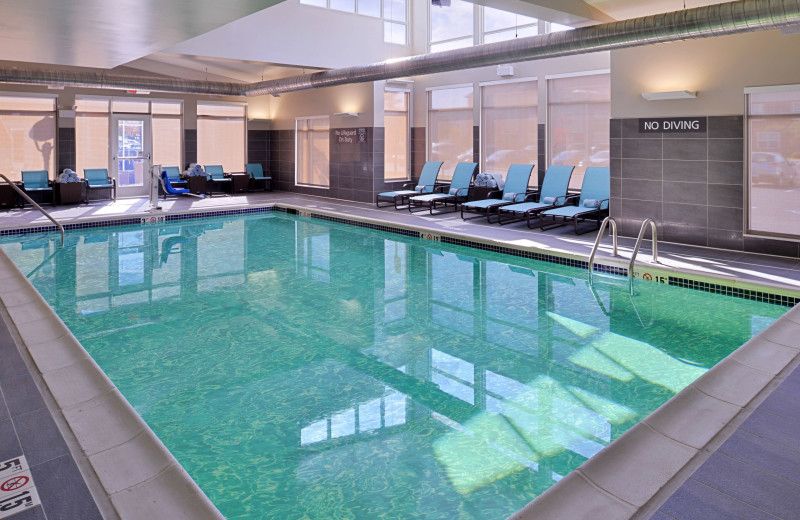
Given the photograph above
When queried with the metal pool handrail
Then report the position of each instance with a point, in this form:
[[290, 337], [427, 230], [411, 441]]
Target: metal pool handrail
[[35, 205], [597, 242], [639, 243]]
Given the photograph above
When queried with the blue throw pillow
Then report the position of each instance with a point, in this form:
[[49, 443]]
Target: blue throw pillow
[[548, 200], [591, 203]]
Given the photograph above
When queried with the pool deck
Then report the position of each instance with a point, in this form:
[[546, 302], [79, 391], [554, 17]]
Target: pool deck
[[724, 447]]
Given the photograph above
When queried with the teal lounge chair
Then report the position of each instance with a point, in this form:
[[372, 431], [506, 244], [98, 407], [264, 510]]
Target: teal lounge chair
[[217, 179], [593, 203], [38, 182], [553, 193], [257, 177], [97, 179], [457, 192], [515, 190], [426, 184]]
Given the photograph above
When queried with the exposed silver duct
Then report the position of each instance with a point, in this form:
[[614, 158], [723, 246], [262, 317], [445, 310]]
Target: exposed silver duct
[[700, 22], [118, 81]]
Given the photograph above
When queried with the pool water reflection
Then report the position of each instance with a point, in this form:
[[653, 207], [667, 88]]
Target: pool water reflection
[[301, 369]]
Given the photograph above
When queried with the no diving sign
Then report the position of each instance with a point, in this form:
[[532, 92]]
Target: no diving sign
[[17, 492]]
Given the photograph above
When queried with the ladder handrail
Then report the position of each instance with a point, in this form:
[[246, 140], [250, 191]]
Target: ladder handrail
[[606, 221], [639, 243], [35, 205]]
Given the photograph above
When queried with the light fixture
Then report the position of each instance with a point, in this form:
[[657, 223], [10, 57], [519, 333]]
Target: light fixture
[[346, 114], [672, 94]]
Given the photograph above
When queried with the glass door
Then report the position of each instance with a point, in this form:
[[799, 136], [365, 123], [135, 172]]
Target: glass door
[[130, 154]]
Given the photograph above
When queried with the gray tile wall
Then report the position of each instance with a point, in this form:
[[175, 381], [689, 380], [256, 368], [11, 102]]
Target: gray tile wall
[[690, 184], [66, 150], [258, 148], [189, 146]]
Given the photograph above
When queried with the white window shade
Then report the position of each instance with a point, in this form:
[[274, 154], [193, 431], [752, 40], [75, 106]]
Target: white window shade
[[509, 126], [91, 140], [773, 161], [167, 140], [450, 124], [130, 106], [395, 120], [579, 111], [221, 135], [312, 136]]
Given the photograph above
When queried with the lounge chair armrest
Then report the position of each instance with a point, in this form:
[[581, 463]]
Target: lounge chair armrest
[[531, 197], [495, 194], [440, 189], [426, 188], [601, 203], [572, 197], [561, 200]]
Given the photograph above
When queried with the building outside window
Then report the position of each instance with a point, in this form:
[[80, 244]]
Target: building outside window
[[508, 125], [27, 134], [579, 109], [773, 160], [450, 124], [312, 149]]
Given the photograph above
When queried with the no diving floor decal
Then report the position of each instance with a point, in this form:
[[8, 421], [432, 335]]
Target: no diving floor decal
[[17, 492]]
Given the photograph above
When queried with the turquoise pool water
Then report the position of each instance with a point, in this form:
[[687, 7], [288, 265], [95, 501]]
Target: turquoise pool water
[[302, 369]]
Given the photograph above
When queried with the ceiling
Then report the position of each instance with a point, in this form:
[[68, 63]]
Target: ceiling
[[106, 34]]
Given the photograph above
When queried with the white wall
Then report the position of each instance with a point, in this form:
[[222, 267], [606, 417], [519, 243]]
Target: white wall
[[718, 68], [356, 98], [294, 34]]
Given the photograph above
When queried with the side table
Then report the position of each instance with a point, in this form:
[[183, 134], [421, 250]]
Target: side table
[[240, 182], [8, 196], [198, 185], [68, 192]]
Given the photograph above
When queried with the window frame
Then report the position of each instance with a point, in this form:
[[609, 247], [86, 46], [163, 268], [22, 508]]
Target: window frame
[[548, 114], [54, 152], [244, 125], [428, 90], [409, 113], [296, 151], [481, 134], [747, 230]]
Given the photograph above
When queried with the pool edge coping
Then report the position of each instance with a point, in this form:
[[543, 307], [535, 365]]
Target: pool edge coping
[[155, 483], [589, 480]]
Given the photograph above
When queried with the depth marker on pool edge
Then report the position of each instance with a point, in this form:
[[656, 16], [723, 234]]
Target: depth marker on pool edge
[[17, 491]]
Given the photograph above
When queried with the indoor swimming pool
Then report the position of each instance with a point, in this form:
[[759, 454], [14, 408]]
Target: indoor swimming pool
[[299, 368]]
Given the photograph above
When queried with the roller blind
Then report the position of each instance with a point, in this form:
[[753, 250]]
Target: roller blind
[[27, 135]]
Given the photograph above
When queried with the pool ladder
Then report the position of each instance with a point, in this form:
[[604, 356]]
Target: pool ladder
[[35, 205], [610, 220]]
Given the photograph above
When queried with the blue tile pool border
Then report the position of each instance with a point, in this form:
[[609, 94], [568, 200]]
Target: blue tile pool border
[[736, 292]]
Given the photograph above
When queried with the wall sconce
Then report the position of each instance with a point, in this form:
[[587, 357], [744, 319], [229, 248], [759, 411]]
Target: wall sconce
[[346, 114], [672, 94]]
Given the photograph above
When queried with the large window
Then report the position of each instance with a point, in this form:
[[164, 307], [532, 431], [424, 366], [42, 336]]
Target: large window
[[92, 116], [501, 25], [312, 137], [450, 127], [773, 131], [27, 134], [221, 135], [167, 133], [395, 24], [395, 121], [508, 125], [579, 110], [451, 26]]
